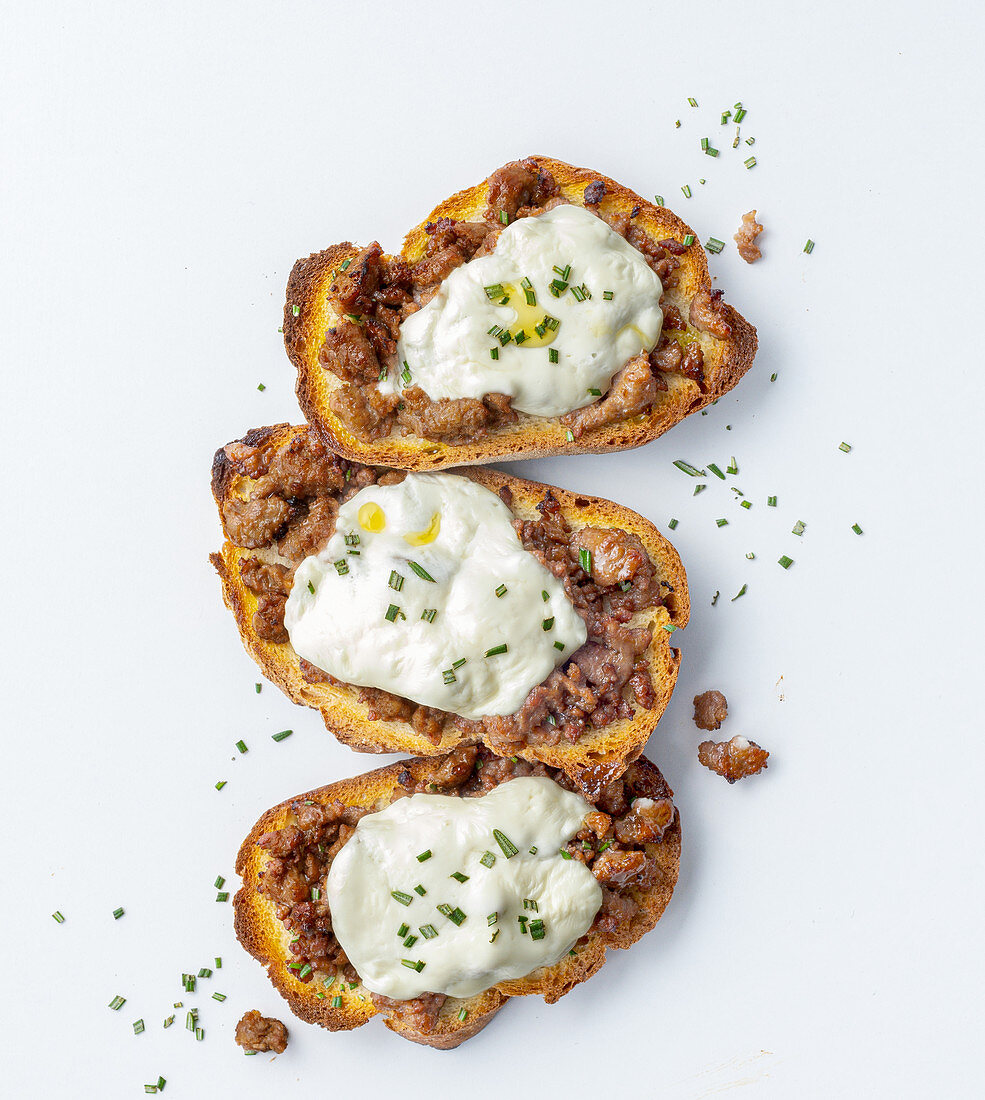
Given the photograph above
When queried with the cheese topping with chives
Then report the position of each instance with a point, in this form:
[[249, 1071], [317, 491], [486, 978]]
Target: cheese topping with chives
[[549, 316], [494, 899], [441, 605]]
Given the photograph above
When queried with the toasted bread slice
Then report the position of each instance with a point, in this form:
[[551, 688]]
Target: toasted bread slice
[[342, 1005], [593, 759], [312, 308]]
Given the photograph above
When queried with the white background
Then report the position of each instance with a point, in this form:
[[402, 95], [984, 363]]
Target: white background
[[164, 166]]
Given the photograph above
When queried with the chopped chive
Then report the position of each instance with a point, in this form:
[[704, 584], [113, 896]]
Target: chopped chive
[[809, 246], [672, 525], [396, 581], [569, 435], [336, 1001], [405, 375], [260, 386], [219, 882], [58, 918], [258, 687], [501, 591], [750, 556], [732, 467], [551, 322], [740, 114], [713, 244], [220, 784], [722, 522], [771, 502], [785, 561], [283, 735], [393, 613], [190, 1020], [381, 377], [419, 889], [429, 614], [594, 391], [117, 913], [507, 846], [463, 1013], [492, 919], [218, 962], [315, 893], [798, 527], [522, 921], [168, 1021], [353, 317], [658, 199], [222, 896], [559, 645], [537, 930], [428, 931], [422, 572], [578, 294], [693, 102], [448, 676], [492, 938], [726, 115], [341, 567], [345, 264], [458, 876], [747, 504], [504, 337], [117, 1003], [607, 295], [715, 470], [543, 595], [456, 916], [533, 850], [241, 745], [704, 143], [564, 272], [402, 931], [741, 592], [564, 853], [424, 856], [553, 355], [688, 240], [497, 649], [487, 859], [547, 624], [398, 895], [410, 941], [585, 559], [529, 903], [458, 664], [199, 1034], [222, 996], [687, 468], [846, 447], [520, 337], [504, 217], [686, 190], [494, 353], [669, 627], [205, 972], [750, 162], [711, 153], [856, 529], [138, 1027]]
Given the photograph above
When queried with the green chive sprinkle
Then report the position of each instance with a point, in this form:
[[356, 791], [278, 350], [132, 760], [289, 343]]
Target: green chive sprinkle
[[404, 899], [424, 856], [458, 876], [241, 745], [658, 199], [402, 931], [222, 996], [492, 938], [428, 931], [117, 1003], [785, 561], [559, 645], [722, 522], [809, 246], [487, 859], [537, 930], [798, 527], [688, 240], [260, 386], [564, 853], [672, 525], [726, 115], [448, 676], [494, 353], [138, 1027], [687, 190], [396, 581], [594, 391], [504, 217], [429, 614], [456, 916], [117, 913], [419, 889], [740, 114], [716, 471], [281, 736], [258, 687], [855, 528], [711, 152], [692, 102], [713, 244], [569, 435], [501, 591], [751, 556], [341, 567], [773, 377], [529, 903], [463, 1013], [169, 1020], [492, 919], [222, 896], [220, 784], [205, 972], [771, 502], [750, 162], [410, 941], [458, 664], [393, 613], [336, 1002], [585, 559], [741, 592], [533, 850], [497, 649], [732, 467], [687, 468], [846, 447], [553, 355], [507, 846], [57, 917], [669, 627]]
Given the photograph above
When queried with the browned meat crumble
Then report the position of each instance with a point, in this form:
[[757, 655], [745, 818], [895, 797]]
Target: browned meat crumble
[[607, 574], [710, 710], [261, 1033], [745, 239], [733, 760], [375, 294], [612, 843]]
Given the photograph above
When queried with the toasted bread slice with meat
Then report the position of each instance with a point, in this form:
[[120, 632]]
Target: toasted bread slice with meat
[[313, 307], [592, 760], [340, 1004]]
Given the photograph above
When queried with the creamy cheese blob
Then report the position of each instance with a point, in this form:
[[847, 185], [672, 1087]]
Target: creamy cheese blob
[[457, 874], [608, 312], [424, 590]]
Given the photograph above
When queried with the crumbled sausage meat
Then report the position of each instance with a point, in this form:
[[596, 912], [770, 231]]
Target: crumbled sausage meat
[[733, 760], [745, 239], [261, 1033], [633, 389], [707, 314], [710, 710]]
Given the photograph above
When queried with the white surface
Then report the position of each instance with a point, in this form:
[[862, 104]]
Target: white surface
[[164, 167]]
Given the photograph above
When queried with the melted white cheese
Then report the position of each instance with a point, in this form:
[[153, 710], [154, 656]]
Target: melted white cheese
[[446, 345], [345, 616], [466, 955]]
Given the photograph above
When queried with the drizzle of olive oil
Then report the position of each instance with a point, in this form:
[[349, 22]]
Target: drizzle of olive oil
[[372, 518], [429, 534], [527, 318]]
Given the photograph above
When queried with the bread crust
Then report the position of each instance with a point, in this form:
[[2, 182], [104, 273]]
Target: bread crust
[[265, 938], [309, 312], [595, 759]]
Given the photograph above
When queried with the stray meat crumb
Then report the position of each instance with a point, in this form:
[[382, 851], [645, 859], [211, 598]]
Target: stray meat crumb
[[261, 1033], [710, 710], [749, 230], [733, 759]]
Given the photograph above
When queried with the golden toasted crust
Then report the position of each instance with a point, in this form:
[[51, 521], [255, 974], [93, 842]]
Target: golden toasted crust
[[266, 939], [594, 759], [310, 311]]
